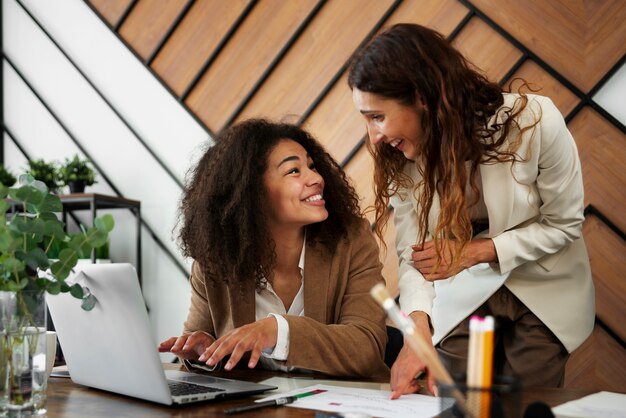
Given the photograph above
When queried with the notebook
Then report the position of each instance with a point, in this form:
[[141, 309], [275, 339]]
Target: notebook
[[112, 348]]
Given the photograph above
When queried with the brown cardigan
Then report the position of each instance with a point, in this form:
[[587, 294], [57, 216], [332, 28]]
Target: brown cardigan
[[343, 331]]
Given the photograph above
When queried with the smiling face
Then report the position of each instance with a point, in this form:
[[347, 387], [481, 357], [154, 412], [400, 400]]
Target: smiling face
[[294, 188], [390, 122]]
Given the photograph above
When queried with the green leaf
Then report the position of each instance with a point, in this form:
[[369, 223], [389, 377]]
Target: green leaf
[[67, 260], [28, 225], [29, 195], [15, 287], [51, 203], [76, 290], [4, 205], [105, 223], [88, 302], [4, 191], [80, 244], [13, 264], [36, 258], [54, 228], [9, 243], [54, 288], [25, 179]]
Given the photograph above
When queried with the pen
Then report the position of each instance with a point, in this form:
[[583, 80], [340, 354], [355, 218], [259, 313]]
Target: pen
[[257, 405]]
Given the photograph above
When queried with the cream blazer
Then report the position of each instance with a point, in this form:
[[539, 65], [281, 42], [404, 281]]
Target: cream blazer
[[342, 332], [535, 210]]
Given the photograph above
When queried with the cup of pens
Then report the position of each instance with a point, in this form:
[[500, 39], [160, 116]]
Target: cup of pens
[[478, 394], [502, 399]]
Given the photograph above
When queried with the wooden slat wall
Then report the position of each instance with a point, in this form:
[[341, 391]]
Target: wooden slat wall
[[286, 59]]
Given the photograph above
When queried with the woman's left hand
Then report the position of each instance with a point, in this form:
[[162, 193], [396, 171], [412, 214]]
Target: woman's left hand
[[476, 251], [254, 337]]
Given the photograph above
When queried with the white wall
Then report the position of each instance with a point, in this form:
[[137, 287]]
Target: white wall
[[612, 96], [135, 156]]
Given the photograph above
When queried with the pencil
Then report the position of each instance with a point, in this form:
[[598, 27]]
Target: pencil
[[487, 365], [475, 365]]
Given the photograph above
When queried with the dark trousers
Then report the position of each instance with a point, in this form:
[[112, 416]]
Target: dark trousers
[[523, 346]]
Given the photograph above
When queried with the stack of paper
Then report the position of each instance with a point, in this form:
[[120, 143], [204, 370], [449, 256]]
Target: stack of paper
[[598, 405]]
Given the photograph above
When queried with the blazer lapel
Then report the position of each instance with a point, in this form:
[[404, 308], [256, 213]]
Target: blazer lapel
[[317, 266], [242, 306], [498, 195]]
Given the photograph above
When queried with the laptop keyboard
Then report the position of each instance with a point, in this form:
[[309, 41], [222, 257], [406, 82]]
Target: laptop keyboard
[[182, 388]]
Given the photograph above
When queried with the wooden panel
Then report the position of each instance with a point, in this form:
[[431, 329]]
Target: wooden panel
[[148, 23], [607, 252], [537, 78], [197, 36], [602, 149], [111, 10], [335, 122], [360, 170], [315, 58], [580, 39], [487, 50], [598, 364], [245, 58]]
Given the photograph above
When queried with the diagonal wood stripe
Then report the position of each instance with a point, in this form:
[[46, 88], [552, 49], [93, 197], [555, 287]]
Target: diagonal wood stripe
[[487, 50], [607, 253], [580, 39], [549, 86], [110, 10], [588, 370], [602, 149]]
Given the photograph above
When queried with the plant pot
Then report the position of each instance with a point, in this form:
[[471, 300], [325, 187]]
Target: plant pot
[[23, 378], [77, 186]]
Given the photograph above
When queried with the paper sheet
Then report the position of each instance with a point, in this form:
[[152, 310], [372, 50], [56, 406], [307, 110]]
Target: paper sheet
[[598, 405], [375, 403]]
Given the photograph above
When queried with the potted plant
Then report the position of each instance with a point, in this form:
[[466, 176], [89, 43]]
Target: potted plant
[[77, 174], [6, 178], [27, 272], [45, 172]]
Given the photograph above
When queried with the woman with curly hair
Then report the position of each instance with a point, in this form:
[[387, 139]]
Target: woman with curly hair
[[283, 261], [487, 200]]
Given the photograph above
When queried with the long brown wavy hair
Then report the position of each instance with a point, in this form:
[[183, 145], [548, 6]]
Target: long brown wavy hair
[[224, 226], [407, 63]]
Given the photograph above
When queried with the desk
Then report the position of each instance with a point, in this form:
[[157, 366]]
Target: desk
[[67, 400]]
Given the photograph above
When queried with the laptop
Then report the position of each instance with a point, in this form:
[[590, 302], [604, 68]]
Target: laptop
[[112, 348]]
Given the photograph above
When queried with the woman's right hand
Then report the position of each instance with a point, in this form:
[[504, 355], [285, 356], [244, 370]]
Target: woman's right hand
[[187, 346], [408, 366]]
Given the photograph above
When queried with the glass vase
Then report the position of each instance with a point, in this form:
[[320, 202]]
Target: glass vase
[[23, 378]]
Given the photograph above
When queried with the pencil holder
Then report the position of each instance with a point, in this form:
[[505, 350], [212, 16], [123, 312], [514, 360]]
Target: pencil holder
[[501, 400]]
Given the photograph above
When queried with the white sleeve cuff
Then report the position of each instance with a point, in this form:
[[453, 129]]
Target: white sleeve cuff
[[416, 294], [281, 350]]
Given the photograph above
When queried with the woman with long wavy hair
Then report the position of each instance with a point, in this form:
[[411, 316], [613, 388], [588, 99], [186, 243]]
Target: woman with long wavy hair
[[283, 260], [487, 200]]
